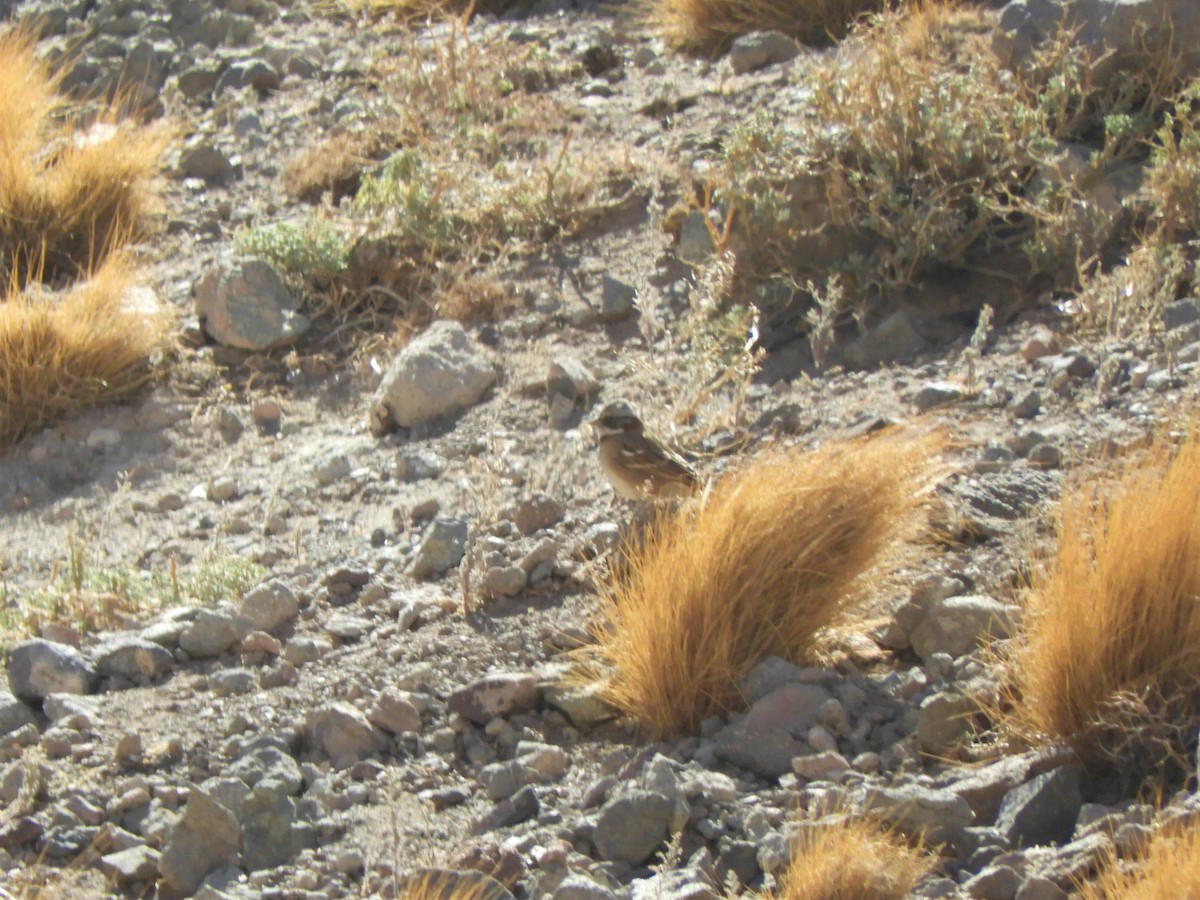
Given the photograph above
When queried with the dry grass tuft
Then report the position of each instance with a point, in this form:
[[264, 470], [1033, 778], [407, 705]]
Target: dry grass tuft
[[710, 26], [450, 884], [1169, 868], [71, 194], [847, 858], [771, 558], [1110, 658], [62, 354]]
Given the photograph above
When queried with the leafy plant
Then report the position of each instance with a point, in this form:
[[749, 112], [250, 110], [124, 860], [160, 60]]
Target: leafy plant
[[315, 249]]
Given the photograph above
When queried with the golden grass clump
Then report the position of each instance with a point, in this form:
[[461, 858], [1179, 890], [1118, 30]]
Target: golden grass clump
[[71, 194], [1109, 661], [60, 355], [772, 557], [450, 884], [848, 858], [1169, 868], [709, 26]]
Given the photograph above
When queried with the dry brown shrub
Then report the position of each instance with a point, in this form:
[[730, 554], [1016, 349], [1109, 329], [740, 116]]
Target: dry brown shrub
[[773, 556], [332, 166], [709, 26], [476, 299], [71, 194], [60, 355], [1168, 868], [1109, 661], [850, 858]]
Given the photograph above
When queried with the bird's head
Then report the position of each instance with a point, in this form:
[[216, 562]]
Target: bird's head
[[617, 418]]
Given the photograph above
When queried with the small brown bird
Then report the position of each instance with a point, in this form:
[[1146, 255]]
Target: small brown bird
[[637, 464]]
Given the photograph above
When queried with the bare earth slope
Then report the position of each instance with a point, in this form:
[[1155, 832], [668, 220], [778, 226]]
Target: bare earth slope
[[336, 715]]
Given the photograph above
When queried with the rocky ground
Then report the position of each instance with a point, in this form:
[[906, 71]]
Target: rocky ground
[[382, 696]]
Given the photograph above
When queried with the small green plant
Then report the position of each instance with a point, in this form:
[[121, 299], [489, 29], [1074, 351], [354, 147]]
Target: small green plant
[[91, 598], [828, 306], [221, 579], [314, 249], [411, 199], [978, 343]]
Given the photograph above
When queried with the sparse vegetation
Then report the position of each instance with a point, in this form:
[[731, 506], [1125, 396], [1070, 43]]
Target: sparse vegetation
[[932, 158], [791, 540], [847, 858], [426, 10], [1174, 174], [72, 193], [61, 355], [1109, 660], [1129, 299], [484, 170], [88, 598]]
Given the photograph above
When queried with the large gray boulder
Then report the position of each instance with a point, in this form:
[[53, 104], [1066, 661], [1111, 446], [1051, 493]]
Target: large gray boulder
[[440, 373]]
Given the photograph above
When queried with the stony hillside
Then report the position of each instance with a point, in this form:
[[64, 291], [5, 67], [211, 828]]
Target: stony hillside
[[299, 612]]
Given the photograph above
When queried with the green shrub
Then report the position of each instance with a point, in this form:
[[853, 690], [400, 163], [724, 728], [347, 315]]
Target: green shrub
[[315, 250]]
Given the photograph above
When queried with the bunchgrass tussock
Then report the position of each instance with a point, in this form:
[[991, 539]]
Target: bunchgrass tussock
[[449, 884], [1168, 867], [775, 553], [709, 26], [62, 354], [72, 193], [850, 858], [1109, 660]]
